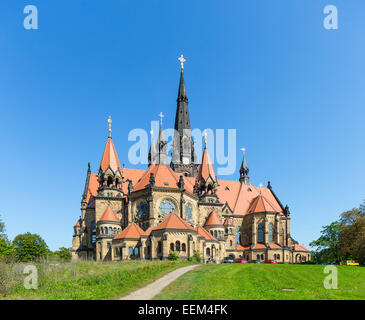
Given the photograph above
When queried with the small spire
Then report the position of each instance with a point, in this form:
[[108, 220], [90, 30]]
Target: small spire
[[110, 126], [244, 170], [161, 116], [205, 138], [182, 60]]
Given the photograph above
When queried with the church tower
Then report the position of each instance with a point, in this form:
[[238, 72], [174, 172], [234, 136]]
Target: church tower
[[183, 158]]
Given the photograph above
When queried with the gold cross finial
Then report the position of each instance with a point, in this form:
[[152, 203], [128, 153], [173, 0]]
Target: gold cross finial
[[161, 116], [182, 60], [205, 137], [110, 126]]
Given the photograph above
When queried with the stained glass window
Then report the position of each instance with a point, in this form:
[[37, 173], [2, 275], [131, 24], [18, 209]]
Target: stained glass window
[[271, 238], [142, 210], [188, 212], [167, 207], [260, 234]]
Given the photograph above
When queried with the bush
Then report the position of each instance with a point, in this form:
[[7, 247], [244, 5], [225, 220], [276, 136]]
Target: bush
[[173, 256], [196, 257]]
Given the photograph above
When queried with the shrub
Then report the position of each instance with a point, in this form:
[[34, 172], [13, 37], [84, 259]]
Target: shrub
[[173, 256]]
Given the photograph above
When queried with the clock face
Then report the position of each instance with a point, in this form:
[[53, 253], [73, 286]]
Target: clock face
[[142, 210], [167, 207]]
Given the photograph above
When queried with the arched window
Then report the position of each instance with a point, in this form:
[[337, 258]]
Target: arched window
[[159, 247], [142, 210], [274, 256], [262, 257], [238, 236], [215, 234], [258, 257], [167, 207], [230, 243], [278, 256], [106, 230], [136, 251], [183, 247], [177, 244], [130, 251], [271, 238], [208, 252], [230, 230], [172, 246], [188, 212], [260, 233], [226, 230], [110, 181]]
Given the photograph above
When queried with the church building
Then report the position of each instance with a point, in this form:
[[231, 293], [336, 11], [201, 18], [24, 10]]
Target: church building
[[181, 206]]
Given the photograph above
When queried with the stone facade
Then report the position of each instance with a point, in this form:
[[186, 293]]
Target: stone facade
[[146, 214]]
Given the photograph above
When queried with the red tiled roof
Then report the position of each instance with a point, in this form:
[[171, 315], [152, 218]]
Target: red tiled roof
[[173, 221], [206, 167], [148, 231], [239, 247], [213, 220], [164, 177], [228, 222], [204, 233], [133, 231], [260, 246], [298, 247], [109, 215], [78, 223], [110, 157], [261, 204], [239, 196], [274, 246]]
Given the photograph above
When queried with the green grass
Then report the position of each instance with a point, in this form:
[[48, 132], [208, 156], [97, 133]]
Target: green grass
[[83, 280], [263, 282]]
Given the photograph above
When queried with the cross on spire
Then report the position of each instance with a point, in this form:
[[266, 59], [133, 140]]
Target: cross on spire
[[182, 60], [205, 137], [161, 116], [110, 126]]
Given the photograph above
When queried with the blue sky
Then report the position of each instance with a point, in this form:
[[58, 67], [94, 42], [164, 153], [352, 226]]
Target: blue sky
[[293, 90]]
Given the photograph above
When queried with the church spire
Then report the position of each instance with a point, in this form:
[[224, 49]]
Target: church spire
[[183, 159], [244, 169], [161, 145]]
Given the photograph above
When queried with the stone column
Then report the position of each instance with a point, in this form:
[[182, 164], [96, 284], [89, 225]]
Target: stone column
[[277, 229], [165, 246], [254, 229], [266, 232], [141, 250]]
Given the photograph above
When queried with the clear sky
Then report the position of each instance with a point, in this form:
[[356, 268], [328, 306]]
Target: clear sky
[[293, 90]]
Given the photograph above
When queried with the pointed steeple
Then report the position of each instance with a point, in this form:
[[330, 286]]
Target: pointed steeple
[[152, 154], [183, 159], [110, 157], [206, 167], [244, 170], [87, 182], [162, 157]]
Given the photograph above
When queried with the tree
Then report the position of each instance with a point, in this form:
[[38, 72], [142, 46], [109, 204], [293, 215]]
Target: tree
[[63, 254], [6, 247], [30, 247], [328, 249], [352, 235]]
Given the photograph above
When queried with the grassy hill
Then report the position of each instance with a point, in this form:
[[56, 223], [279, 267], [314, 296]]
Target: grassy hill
[[82, 280], [263, 281]]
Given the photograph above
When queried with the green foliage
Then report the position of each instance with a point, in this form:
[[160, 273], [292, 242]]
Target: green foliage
[[30, 247], [6, 247], [252, 281], [63, 254], [196, 257], [327, 244], [84, 280], [173, 256], [352, 235]]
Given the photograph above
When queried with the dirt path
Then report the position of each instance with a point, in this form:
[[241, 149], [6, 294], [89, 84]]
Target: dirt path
[[149, 291]]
